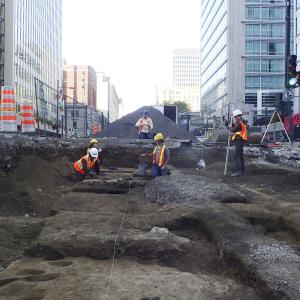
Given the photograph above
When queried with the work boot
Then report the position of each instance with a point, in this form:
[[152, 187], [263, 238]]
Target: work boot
[[237, 174]]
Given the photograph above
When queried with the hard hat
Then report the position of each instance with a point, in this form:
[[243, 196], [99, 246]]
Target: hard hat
[[159, 137], [94, 152], [237, 112], [94, 141]]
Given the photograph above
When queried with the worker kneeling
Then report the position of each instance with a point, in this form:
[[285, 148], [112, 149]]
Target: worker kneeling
[[160, 156], [87, 163]]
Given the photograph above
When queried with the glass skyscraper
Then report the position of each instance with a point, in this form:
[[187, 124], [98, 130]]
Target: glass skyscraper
[[265, 30], [213, 54], [242, 52], [33, 44]]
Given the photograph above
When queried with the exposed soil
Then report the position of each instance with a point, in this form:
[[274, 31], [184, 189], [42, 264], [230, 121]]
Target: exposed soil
[[70, 241], [60, 235]]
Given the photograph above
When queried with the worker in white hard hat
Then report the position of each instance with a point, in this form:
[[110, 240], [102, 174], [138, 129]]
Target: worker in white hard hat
[[239, 137], [88, 162], [94, 144], [145, 126], [160, 157]]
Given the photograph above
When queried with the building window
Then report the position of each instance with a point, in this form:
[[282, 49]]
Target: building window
[[252, 82]]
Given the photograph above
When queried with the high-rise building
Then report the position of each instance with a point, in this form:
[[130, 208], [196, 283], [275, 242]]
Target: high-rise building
[[2, 37], [114, 104], [242, 54], [297, 52], [80, 83], [186, 68], [171, 94], [186, 80], [33, 46]]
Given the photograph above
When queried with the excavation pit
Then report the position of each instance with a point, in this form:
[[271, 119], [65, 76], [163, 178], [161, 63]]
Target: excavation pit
[[70, 229]]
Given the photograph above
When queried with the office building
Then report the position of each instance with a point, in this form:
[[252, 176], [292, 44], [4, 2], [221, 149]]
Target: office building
[[186, 80], [80, 83], [33, 48], [2, 39], [171, 94], [297, 52], [242, 55], [186, 68], [114, 104]]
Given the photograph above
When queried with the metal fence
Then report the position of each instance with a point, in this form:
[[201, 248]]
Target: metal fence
[[61, 115]]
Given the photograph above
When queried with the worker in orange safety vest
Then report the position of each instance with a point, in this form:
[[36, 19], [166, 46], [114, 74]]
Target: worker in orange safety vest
[[239, 137], [160, 157], [87, 163]]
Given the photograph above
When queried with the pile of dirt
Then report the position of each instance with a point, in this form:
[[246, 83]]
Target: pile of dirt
[[33, 186], [125, 127]]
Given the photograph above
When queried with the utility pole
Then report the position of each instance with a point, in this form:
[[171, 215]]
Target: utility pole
[[287, 41]]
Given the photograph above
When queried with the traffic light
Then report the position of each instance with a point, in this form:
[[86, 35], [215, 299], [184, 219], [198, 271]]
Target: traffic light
[[293, 76]]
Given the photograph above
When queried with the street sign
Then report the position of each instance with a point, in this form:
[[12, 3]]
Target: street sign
[[288, 95]]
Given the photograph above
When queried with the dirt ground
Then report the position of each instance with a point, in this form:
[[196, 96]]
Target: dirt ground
[[59, 244], [58, 237]]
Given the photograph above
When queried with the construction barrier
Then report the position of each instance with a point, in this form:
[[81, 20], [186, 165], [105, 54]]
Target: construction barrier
[[27, 122], [291, 122], [8, 116]]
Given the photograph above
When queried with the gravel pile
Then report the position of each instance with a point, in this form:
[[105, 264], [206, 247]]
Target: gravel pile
[[125, 127], [191, 191]]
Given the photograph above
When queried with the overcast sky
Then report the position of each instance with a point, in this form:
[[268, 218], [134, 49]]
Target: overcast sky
[[130, 40]]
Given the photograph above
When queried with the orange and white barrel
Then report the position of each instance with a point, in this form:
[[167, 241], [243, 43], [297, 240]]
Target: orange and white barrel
[[27, 121], [8, 116]]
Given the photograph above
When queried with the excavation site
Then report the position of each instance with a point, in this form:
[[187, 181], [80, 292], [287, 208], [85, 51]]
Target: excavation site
[[194, 234]]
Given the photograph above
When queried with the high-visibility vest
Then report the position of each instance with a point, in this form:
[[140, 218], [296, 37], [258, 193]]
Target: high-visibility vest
[[243, 133], [161, 156], [79, 167]]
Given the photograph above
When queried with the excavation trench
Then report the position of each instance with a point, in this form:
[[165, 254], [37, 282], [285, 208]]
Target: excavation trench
[[71, 234], [84, 223]]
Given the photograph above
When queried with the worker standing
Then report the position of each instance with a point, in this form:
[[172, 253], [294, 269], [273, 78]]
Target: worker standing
[[240, 136], [145, 126], [160, 156], [88, 162]]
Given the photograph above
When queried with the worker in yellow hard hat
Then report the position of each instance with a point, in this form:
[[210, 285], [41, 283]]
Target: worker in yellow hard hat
[[160, 157], [94, 144]]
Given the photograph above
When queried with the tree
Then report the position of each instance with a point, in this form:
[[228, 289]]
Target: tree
[[182, 106]]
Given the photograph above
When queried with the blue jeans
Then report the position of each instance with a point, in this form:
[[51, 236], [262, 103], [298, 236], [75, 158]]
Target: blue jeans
[[144, 135], [157, 171], [239, 156]]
